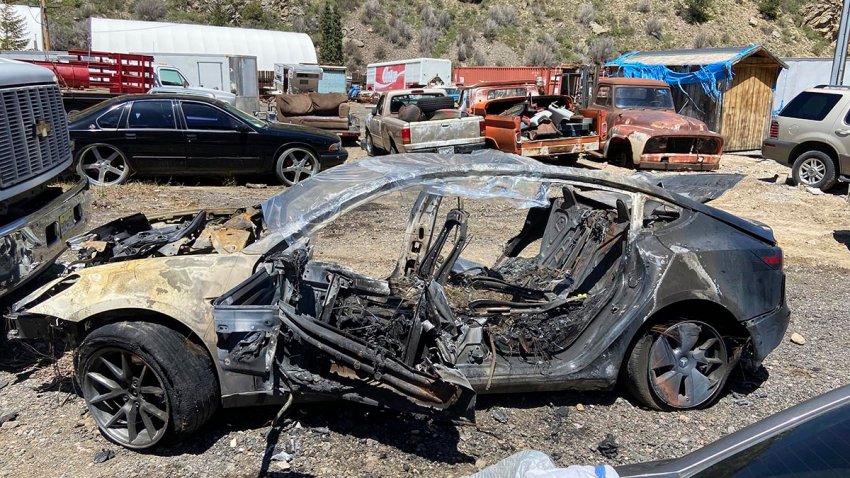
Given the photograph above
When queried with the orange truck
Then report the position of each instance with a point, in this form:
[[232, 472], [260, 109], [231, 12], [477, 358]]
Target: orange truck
[[537, 126]]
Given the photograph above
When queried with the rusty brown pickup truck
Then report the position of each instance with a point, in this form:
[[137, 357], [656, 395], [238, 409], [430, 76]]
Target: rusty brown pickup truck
[[539, 126], [642, 128]]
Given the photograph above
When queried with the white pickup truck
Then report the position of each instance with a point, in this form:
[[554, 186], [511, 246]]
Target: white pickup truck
[[420, 121]]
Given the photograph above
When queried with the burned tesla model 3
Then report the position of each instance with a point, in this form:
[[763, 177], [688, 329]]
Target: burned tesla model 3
[[607, 279]]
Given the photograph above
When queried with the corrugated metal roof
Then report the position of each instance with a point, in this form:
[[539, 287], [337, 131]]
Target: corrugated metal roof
[[270, 47], [698, 56]]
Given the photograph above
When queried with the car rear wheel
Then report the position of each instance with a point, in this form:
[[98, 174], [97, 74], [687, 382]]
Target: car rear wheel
[[144, 382], [371, 149], [103, 165], [678, 365], [814, 169], [296, 164]]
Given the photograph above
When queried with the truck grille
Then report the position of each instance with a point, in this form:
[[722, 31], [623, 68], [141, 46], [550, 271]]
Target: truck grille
[[33, 133]]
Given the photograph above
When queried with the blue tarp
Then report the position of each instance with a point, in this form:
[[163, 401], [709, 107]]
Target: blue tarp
[[707, 75]]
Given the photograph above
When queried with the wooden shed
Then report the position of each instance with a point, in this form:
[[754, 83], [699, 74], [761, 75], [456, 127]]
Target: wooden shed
[[730, 89]]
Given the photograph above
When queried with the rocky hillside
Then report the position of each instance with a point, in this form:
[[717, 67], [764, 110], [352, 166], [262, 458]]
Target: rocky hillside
[[504, 32]]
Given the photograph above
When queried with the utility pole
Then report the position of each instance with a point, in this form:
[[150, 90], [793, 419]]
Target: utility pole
[[836, 76], [45, 31]]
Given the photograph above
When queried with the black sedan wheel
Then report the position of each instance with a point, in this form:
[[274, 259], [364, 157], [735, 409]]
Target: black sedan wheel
[[103, 165], [296, 164], [144, 382], [679, 366]]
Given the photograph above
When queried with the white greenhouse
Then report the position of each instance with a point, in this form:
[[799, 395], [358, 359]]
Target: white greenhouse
[[269, 46]]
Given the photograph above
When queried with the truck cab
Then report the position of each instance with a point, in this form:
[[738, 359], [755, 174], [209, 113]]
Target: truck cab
[[169, 79], [643, 129], [35, 216]]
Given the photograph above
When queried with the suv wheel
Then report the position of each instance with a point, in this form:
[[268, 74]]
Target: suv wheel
[[815, 169]]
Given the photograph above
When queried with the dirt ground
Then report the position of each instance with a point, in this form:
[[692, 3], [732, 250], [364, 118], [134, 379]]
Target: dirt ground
[[54, 436]]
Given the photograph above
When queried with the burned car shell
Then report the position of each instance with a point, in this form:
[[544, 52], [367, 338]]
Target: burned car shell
[[670, 270], [635, 132]]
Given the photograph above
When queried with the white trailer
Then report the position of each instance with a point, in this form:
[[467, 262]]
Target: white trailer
[[401, 74], [234, 73]]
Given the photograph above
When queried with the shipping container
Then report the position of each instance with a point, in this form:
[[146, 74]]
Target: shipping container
[[395, 75], [575, 81]]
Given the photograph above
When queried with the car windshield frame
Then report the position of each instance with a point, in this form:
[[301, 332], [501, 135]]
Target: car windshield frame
[[241, 115], [311, 204], [668, 95]]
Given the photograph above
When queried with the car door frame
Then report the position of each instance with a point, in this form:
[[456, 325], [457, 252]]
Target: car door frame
[[247, 161], [147, 141], [375, 123]]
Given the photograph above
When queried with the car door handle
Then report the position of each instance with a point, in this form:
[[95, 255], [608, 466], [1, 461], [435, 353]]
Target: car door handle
[[130, 135], [191, 136], [842, 132]]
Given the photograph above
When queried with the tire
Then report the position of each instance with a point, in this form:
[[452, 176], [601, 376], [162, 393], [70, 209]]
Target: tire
[[296, 164], [656, 374], [148, 370], [814, 169], [103, 165], [371, 149], [432, 104]]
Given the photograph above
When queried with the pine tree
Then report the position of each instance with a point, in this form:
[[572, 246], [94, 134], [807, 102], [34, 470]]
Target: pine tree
[[331, 27], [12, 29]]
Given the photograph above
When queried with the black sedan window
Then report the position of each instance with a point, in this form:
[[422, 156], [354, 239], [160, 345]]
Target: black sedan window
[[200, 116], [151, 114], [816, 449], [109, 120]]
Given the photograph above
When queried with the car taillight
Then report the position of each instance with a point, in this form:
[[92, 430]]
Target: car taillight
[[774, 129], [604, 128], [773, 259], [518, 137], [482, 128], [405, 135]]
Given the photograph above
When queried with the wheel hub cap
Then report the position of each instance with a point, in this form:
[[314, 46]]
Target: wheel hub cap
[[687, 364], [126, 398], [812, 171]]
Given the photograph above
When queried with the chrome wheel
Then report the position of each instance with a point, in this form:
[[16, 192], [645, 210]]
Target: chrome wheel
[[687, 364], [812, 171], [103, 165], [296, 164], [126, 398]]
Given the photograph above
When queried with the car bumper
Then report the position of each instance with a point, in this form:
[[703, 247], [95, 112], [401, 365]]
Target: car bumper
[[457, 148], [779, 151], [767, 331], [542, 149], [679, 162], [334, 156], [32, 243]]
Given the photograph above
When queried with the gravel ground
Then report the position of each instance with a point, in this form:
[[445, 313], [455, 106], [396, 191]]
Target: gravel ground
[[54, 436]]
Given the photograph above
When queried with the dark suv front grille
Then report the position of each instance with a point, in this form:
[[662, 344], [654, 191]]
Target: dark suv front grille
[[33, 132]]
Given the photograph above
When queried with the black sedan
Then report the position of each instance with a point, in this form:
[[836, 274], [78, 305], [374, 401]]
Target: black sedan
[[178, 135]]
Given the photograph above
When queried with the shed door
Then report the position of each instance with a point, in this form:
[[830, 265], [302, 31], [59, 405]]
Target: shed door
[[746, 107], [210, 75]]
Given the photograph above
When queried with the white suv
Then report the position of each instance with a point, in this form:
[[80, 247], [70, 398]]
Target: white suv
[[812, 135]]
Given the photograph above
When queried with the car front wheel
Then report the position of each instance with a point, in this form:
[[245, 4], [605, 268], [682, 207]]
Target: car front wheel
[[103, 165], [296, 164], [678, 365], [144, 382], [814, 169]]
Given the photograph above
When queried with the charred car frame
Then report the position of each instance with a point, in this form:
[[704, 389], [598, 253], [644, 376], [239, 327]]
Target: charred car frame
[[631, 282]]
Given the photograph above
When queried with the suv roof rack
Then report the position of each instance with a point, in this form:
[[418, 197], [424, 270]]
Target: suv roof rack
[[833, 87]]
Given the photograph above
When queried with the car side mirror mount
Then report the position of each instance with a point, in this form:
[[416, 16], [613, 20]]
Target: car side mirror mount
[[242, 128], [375, 111]]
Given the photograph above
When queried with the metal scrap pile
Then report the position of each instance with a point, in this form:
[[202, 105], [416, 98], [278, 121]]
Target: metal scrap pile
[[542, 119]]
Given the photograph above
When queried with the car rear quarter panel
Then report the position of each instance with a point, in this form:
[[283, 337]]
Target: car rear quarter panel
[[716, 262]]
